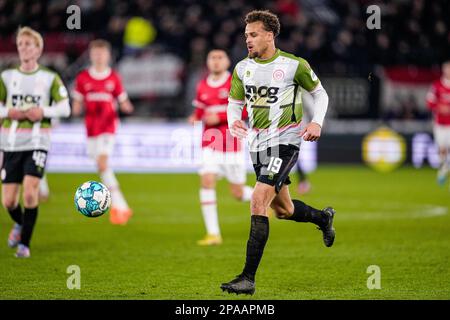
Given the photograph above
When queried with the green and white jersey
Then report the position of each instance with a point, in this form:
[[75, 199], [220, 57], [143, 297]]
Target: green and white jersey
[[271, 90], [24, 90]]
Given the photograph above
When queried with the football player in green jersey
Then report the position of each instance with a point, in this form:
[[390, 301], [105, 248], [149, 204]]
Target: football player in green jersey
[[30, 96], [269, 83]]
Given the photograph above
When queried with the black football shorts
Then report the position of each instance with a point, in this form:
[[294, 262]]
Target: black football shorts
[[272, 166], [17, 164]]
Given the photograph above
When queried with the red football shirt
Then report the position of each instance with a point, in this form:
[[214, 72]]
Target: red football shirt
[[99, 92], [212, 97], [438, 100]]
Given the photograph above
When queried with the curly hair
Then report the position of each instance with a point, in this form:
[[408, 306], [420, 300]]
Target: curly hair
[[270, 20]]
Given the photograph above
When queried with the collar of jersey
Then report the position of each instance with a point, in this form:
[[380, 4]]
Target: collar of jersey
[[99, 75], [31, 72], [218, 83], [276, 55]]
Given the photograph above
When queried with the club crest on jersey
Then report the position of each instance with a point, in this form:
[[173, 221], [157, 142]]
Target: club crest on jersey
[[223, 93], [313, 75], [278, 75], [109, 85], [63, 92], [247, 73]]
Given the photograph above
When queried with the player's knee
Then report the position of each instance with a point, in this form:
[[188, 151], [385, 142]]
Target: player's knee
[[208, 182], [257, 204], [237, 192], [9, 202], [30, 198], [282, 212], [102, 164]]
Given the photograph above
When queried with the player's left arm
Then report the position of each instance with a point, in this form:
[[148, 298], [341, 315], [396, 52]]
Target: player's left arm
[[306, 78], [215, 118], [121, 95], [3, 108], [60, 107], [236, 102], [126, 106]]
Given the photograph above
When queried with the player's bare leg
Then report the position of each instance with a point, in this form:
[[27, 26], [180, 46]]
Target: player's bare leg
[[447, 161], [241, 192], [120, 211], [44, 190], [30, 202], [10, 201], [444, 166], [209, 210], [304, 186]]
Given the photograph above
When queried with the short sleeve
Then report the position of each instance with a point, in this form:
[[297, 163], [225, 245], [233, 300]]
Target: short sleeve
[[197, 102], [3, 92], [119, 91], [58, 91], [237, 88], [432, 97], [78, 91], [305, 76]]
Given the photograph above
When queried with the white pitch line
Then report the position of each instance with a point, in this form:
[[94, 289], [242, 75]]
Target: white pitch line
[[417, 212]]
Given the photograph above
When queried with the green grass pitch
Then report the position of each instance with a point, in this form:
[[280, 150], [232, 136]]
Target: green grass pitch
[[398, 221]]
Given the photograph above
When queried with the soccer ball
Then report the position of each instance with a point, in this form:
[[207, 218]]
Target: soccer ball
[[92, 199]]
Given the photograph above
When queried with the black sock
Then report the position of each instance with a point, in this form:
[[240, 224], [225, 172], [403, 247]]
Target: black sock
[[16, 214], [305, 213], [29, 219], [259, 233]]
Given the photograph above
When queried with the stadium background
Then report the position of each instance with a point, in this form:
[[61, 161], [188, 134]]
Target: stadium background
[[376, 81], [373, 77]]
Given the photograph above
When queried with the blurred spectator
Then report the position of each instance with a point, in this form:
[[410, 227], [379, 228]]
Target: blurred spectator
[[409, 28], [139, 33]]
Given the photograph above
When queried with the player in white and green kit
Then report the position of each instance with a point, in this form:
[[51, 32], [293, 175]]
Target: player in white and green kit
[[30, 96], [269, 83]]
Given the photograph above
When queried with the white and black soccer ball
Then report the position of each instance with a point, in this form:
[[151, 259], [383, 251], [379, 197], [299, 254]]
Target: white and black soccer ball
[[92, 199]]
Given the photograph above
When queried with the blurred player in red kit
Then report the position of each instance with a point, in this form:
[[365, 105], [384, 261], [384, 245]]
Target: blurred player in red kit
[[222, 154], [438, 100], [97, 89]]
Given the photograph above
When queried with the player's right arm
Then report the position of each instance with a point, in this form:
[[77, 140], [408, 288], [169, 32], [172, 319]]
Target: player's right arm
[[236, 102], [434, 101], [5, 112], [199, 107], [78, 96], [432, 97], [77, 107]]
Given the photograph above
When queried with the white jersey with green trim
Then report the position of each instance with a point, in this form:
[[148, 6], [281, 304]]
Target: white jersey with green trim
[[271, 90], [21, 90]]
